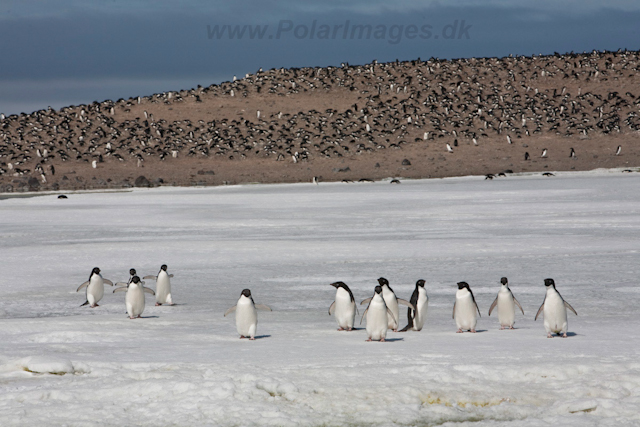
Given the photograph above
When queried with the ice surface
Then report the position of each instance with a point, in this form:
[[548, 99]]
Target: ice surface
[[184, 365]]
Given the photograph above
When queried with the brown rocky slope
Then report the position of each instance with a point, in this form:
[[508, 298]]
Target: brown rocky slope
[[368, 121]]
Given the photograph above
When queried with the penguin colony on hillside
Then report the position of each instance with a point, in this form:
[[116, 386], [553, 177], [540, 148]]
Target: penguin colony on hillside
[[382, 312], [439, 103]]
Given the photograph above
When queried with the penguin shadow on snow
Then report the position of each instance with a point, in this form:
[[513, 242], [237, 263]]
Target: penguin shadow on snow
[[257, 337]]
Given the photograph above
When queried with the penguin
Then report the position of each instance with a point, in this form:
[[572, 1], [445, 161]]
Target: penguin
[[544, 153], [618, 150], [572, 153], [246, 314], [392, 302], [163, 286], [420, 301], [509, 139], [377, 314], [95, 288], [506, 302], [344, 307], [449, 149], [554, 309], [134, 299], [132, 273], [464, 309], [526, 155]]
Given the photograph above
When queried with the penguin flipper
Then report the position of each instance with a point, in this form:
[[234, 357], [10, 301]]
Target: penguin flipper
[[494, 303], [539, 310], [478, 308], [263, 307], [121, 284], [171, 275], [366, 301], [332, 307], [453, 315], [85, 303], [405, 302], [392, 316], [149, 291], [363, 315], [517, 303], [566, 304], [151, 277], [108, 282], [84, 285], [231, 310], [120, 289]]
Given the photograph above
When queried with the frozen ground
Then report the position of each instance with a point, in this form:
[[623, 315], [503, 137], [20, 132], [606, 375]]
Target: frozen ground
[[184, 365]]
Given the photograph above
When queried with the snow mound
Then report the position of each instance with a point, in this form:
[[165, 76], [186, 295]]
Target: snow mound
[[46, 365]]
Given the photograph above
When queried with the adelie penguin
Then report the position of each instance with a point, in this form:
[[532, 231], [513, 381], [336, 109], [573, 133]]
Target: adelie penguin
[[465, 308], [420, 301], [163, 286], [246, 314], [343, 307], [392, 302], [95, 288], [134, 299], [554, 310], [378, 315], [132, 273], [506, 303]]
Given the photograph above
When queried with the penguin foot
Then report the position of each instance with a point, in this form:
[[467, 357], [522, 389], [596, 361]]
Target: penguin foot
[[252, 339], [511, 327], [341, 329], [473, 331], [564, 335], [242, 336], [549, 335], [459, 331], [369, 340], [157, 304], [349, 329], [95, 305], [382, 340]]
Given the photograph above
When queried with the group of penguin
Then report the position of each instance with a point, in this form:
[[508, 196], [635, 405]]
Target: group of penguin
[[382, 312], [134, 288]]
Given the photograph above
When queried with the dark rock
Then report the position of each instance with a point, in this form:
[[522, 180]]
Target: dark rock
[[204, 172], [406, 162], [142, 181], [34, 184], [347, 169], [377, 165]]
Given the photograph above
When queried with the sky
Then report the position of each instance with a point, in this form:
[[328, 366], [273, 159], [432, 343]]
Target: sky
[[72, 52]]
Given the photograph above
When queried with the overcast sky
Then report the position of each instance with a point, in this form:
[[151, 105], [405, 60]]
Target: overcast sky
[[57, 53]]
